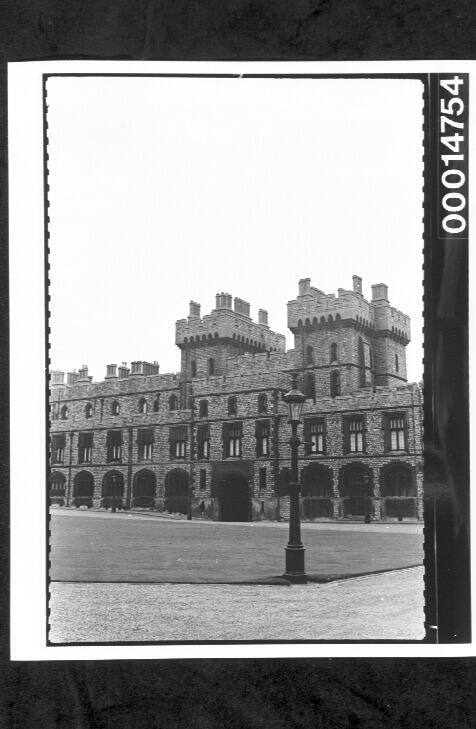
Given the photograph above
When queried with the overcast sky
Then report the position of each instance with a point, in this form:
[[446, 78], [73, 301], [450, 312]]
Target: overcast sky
[[166, 190]]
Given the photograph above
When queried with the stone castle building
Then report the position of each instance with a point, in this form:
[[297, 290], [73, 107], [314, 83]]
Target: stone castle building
[[212, 439]]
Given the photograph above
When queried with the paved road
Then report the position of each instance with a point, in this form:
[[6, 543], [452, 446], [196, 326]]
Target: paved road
[[387, 606]]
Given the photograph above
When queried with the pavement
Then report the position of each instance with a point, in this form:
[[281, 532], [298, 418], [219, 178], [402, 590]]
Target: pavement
[[386, 606]]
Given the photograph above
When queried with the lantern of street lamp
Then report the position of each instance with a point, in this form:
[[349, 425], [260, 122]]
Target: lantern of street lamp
[[295, 400]]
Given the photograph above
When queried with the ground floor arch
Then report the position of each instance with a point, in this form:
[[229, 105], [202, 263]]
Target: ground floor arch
[[83, 489], [112, 490], [356, 489], [143, 489], [177, 493], [57, 488], [234, 498], [317, 492], [398, 489]]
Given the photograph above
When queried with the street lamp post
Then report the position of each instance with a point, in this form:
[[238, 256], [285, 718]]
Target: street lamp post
[[113, 494], [294, 550]]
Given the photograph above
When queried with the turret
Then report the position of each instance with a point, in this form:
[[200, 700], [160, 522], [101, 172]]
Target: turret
[[207, 342], [349, 341]]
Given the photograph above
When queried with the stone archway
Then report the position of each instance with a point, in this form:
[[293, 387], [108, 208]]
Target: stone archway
[[234, 498], [398, 488], [57, 488], [177, 491], [143, 491], [112, 490], [355, 485], [83, 489], [317, 492]]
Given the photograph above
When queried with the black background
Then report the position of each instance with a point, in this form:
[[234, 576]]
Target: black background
[[247, 693]]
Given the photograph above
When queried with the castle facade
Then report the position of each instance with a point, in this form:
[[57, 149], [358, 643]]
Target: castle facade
[[212, 439]]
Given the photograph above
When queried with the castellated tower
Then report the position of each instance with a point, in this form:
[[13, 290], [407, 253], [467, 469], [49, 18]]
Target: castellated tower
[[347, 342], [206, 342]]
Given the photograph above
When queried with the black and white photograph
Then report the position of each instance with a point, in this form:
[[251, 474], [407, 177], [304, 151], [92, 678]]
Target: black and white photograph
[[234, 325], [236, 348]]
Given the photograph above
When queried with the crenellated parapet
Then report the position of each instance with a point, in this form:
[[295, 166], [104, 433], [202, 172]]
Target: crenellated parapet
[[314, 308], [225, 323]]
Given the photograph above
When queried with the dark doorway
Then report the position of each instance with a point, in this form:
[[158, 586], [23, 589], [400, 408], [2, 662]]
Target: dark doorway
[[112, 490], [144, 489], [234, 498], [317, 492], [176, 492], [83, 489], [356, 488]]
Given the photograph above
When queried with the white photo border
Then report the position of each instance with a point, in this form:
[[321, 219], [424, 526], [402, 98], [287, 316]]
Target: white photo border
[[29, 362]]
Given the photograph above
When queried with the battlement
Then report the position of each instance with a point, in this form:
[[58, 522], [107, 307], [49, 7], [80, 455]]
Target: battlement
[[227, 323], [313, 308], [80, 383]]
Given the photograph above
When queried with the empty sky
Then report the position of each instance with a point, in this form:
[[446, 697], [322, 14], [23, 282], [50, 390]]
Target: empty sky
[[166, 190]]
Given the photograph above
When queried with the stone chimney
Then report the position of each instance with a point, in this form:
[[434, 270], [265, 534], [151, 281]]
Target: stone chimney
[[357, 285], [83, 374], [380, 292], [223, 301], [123, 371], [57, 377], [263, 317], [111, 371], [194, 312], [242, 307], [304, 286], [72, 378]]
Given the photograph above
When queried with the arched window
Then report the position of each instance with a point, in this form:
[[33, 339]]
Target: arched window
[[333, 352], [396, 363], [262, 403], [173, 403], [397, 480], [64, 412], [211, 366], [116, 408], [88, 410], [156, 404], [143, 405], [193, 366], [309, 387], [335, 383], [203, 409], [232, 405], [309, 355]]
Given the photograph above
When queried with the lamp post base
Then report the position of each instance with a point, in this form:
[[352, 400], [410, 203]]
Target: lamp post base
[[295, 564]]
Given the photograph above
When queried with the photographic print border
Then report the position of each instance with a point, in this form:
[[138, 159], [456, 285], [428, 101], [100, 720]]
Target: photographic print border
[[446, 493]]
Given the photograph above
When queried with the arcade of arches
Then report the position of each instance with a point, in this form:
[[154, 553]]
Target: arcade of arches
[[347, 493]]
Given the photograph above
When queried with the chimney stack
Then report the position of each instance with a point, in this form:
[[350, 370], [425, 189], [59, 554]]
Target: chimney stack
[[111, 371], [380, 292], [242, 307], [57, 377], [263, 317], [123, 371], [83, 374], [223, 301], [357, 285], [72, 378], [194, 312], [304, 286]]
